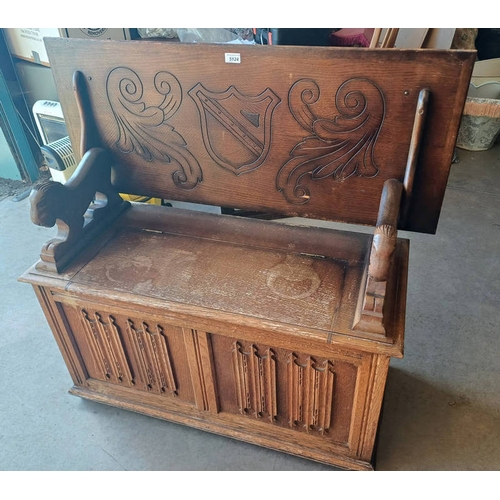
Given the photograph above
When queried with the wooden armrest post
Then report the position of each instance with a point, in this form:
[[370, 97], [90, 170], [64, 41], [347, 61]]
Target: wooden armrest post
[[370, 313], [385, 237], [81, 208], [86, 203], [372, 299]]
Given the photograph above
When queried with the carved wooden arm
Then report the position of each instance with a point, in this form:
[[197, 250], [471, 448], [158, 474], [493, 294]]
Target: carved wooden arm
[[370, 314], [81, 208], [372, 298], [384, 240]]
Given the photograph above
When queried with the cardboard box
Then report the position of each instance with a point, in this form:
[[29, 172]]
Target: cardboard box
[[408, 38], [416, 38], [439, 38], [487, 70], [27, 43], [97, 33]]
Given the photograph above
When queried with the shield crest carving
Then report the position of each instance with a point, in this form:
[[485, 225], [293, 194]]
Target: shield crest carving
[[236, 128]]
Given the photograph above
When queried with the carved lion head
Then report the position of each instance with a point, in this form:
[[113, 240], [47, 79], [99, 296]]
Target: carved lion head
[[46, 201]]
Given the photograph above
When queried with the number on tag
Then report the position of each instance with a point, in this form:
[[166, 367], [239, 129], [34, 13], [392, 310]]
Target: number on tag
[[233, 58]]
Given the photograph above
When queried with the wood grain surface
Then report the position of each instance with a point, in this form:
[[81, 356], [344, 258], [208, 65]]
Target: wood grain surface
[[302, 131], [275, 334]]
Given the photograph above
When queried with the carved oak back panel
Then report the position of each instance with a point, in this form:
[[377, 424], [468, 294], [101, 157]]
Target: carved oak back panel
[[299, 131]]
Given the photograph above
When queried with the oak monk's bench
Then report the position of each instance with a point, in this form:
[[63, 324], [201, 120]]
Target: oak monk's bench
[[272, 333]]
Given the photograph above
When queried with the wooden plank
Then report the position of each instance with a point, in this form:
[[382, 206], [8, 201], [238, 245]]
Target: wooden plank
[[375, 38], [390, 38], [273, 142], [286, 287]]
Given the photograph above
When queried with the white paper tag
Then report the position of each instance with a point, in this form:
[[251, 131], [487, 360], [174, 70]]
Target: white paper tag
[[233, 58]]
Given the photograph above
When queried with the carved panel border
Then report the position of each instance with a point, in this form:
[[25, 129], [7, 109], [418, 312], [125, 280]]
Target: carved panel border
[[200, 360]]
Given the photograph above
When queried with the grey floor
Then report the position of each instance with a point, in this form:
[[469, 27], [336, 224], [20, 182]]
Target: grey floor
[[442, 402]]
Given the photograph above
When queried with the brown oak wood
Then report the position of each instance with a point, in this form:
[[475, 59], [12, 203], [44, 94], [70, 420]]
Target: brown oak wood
[[81, 208], [275, 334], [173, 146], [370, 312]]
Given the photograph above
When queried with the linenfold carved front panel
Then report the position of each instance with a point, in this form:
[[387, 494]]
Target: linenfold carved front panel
[[287, 389], [151, 351], [310, 394], [218, 374], [132, 352], [108, 356], [255, 378]]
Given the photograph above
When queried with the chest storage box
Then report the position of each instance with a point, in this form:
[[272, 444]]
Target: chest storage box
[[275, 334]]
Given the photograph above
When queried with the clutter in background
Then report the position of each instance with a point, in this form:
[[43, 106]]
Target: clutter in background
[[201, 35]]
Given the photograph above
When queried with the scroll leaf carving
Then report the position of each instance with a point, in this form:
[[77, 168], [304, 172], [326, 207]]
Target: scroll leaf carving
[[338, 147], [255, 378], [143, 127], [310, 394]]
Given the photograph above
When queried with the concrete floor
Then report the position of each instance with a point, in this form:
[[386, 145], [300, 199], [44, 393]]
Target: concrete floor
[[442, 403]]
